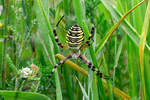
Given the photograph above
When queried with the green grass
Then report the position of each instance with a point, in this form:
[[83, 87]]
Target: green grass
[[121, 48], [144, 67]]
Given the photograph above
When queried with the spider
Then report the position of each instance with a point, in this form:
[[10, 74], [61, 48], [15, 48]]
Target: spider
[[74, 40]]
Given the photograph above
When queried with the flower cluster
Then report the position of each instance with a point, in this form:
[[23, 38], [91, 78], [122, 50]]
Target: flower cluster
[[25, 72]]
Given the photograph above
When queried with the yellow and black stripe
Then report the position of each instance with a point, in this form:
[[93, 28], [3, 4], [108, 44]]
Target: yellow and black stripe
[[56, 39], [92, 67], [87, 43], [75, 37], [56, 65]]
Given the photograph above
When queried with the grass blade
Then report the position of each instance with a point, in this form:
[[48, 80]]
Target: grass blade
[[129, 28], [58, 88], [11, 65], [141, 50], [113, 28], [132, 69], [79, 11], [48, 25], [83, 90], [13, 95], [117, 92], [117, 56]]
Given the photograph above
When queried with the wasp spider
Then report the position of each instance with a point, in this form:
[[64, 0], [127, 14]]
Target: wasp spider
[[74, 40]]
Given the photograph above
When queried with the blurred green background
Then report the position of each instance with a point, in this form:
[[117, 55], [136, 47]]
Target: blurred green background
[[121, 51]]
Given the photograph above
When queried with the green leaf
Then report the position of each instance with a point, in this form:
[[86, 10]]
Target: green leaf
[[11, 65], [83, 90], [125, 26], [44, 13], [13, 95], [144, 73]]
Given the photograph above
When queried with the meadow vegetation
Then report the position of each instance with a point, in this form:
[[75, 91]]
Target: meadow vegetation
[[120, 49]]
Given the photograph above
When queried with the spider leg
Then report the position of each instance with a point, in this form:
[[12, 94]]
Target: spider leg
[[87, 43], [92, 67], [56, 65], [56, 37], [59, 21]]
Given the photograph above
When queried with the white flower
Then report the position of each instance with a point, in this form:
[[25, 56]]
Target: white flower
[[25, 72]]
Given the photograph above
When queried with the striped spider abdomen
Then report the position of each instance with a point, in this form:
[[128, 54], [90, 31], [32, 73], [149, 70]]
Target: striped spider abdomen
[[75, 37]]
